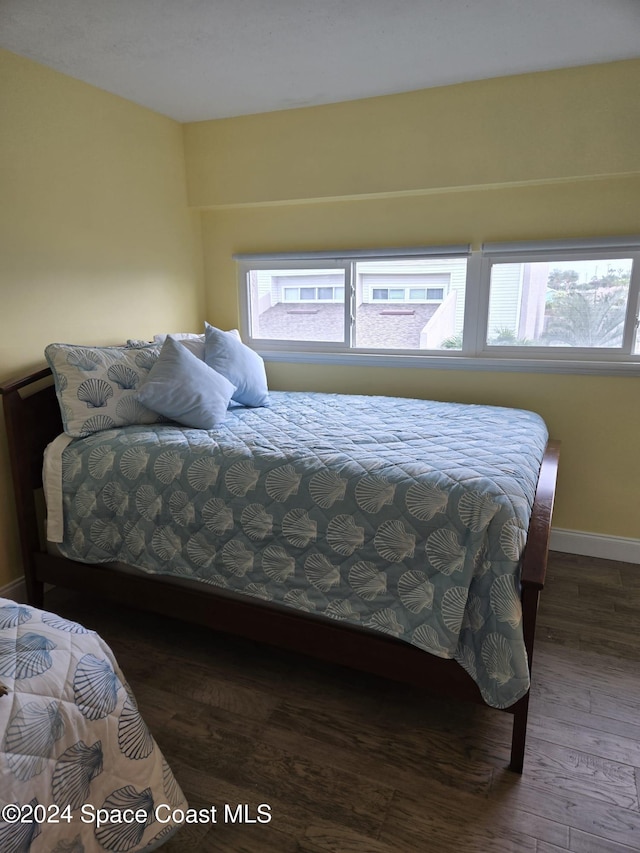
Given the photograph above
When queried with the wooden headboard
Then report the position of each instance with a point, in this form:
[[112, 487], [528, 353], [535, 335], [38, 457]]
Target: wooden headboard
[[32, 418]]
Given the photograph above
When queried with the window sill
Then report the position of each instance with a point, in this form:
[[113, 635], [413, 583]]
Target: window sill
[[456, 362]]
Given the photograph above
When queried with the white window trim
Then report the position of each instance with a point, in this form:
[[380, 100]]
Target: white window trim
[[390, 359], [475, 353], [497, 253]]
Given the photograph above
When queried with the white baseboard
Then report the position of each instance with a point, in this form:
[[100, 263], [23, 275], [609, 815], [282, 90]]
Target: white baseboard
[[595, 545]]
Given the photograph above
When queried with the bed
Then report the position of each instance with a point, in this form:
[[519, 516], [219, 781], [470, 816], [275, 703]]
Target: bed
[[75, 753], [282, 525]]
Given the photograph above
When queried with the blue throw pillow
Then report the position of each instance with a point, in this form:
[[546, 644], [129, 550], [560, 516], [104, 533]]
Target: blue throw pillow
[[182, 388], [241, 365]]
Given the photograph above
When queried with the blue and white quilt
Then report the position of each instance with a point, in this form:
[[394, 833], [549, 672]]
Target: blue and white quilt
[[80, 770], [404, 516]]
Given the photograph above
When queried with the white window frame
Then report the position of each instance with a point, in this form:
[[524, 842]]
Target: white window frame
[[475, 354], [522, 253], [286, 348]]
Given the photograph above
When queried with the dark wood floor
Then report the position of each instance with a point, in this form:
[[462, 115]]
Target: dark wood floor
[[353, 764]]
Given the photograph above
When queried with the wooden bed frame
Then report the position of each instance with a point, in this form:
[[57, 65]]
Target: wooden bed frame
[[32, 419]]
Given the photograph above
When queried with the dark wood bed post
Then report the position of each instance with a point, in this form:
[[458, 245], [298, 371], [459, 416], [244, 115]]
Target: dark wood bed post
[[23, 435], [534, 570]]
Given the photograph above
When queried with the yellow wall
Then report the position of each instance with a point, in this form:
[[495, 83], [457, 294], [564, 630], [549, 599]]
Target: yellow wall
[[537, 156], [97, 243], [557, 125]]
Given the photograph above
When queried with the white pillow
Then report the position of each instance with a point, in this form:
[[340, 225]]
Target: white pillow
[[194, 343]]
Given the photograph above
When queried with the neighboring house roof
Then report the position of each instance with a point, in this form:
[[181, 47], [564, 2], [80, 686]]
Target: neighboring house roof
[[385, 326]]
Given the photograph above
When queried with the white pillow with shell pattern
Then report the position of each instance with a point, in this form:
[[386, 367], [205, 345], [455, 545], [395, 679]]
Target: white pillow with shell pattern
[[96, 386]]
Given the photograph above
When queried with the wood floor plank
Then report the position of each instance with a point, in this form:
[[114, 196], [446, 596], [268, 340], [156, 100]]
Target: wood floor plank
[[437, 753], [628, 611], [560, 587], [189, 837], [623, 750], [614, 643], [576, 812], [329, 839], [619, 708], [182, 716], [411, 827], [571, 772], [246, 839], [193, 681], [573, 567], [597, 743], [250, 761], [546, 690], [582, 842], [399, 771], [202, 788], [630, 576], [630, 596], [583, 608], [290, 817], [558, 635], [587, 670], [615, 636], [600, 723]]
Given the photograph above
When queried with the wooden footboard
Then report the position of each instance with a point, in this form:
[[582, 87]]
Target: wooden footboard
[[33, 420]]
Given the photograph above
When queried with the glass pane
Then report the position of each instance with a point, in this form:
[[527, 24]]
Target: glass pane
[[386, 318], [435, 293], [325, 293], [559, 303], [284, 304]]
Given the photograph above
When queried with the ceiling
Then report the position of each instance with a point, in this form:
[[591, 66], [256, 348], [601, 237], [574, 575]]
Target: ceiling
[[202, 59]]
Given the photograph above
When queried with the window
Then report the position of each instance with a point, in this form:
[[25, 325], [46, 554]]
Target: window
[[559, 303], [364, 304], [296, 303], [577, 302], [566, 306]]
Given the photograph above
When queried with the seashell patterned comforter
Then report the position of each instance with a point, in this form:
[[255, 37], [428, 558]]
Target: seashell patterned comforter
[[403, 516], [77, 759]]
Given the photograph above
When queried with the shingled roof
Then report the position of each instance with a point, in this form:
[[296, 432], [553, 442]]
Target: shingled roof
[[383, 326]]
